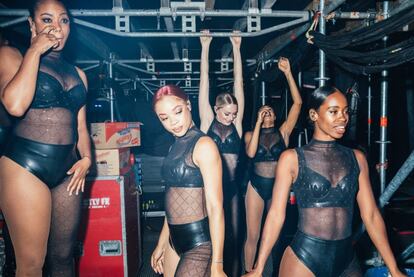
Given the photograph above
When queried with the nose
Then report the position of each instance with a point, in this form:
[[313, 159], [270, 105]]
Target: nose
[[173, 121]]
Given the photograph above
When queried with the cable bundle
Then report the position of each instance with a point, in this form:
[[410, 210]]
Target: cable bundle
[[337, 47]]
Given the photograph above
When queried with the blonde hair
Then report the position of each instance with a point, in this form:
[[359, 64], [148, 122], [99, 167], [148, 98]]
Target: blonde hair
[[225, 98]]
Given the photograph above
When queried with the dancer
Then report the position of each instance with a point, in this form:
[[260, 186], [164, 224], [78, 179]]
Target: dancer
[[326, 178], [41, 177], [225, 128], [264, 145], [194, 222]]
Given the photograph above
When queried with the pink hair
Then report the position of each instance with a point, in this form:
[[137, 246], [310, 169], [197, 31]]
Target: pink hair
[[169, 90]]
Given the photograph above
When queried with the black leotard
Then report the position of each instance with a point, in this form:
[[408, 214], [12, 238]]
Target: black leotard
[[185, 199], [325, 189], [228, 142], [271, 145], [45, 137]]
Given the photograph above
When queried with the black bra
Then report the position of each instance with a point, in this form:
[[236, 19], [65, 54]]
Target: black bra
[[264, 154], [178, 169], [51, 94], [229, 142]]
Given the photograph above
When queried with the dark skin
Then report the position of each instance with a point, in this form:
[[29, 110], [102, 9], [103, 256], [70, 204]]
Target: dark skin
[[29, 219], [330, 120]]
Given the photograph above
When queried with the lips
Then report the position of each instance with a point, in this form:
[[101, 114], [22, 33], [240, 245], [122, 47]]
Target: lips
[[177, 129], [340, 129]]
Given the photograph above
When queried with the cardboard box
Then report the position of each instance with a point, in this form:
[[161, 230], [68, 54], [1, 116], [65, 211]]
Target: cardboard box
[[109, 162], [111, 135]]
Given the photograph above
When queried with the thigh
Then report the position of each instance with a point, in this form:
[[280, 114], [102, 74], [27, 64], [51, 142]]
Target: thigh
[[26, 205], [171, 260], [66, 214], [291, 266], [254, 210], [195, 262]]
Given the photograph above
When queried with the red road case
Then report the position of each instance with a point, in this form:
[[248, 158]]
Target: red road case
[[110, 235]]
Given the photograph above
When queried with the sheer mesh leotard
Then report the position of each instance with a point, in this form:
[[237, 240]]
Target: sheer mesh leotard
[[325, 189], [49, 126], [270, 147], [186, 207], [228, 142], [44, 142]]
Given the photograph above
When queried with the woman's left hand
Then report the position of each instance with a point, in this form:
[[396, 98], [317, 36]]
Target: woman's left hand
[[284, 65], [78, 172]]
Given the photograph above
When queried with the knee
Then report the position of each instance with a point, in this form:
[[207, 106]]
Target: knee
[[252, 237], [30, 264], [61, 257]]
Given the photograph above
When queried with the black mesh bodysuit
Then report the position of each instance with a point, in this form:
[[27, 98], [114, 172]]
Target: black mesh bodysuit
[[186, 207], [228, 142], [44, 142], [50, 124], [325, 189], [271, 145]]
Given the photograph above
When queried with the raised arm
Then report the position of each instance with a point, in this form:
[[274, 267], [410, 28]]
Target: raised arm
[[18, 74], [238, 82], [372, 217], [207, 158], [286, 170], [287, 127], [251, 139], [204, 107]]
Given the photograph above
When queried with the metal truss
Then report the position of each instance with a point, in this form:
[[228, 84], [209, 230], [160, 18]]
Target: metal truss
[[188, 18]]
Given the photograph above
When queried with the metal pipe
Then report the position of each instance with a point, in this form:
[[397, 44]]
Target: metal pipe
[[127, 61], [263, 87], [90, 67], [322, 57], [190, 34], [384, 115], [165, 12], [369, 121], [13, 22], [352, 15], [111, 90], [157, 73], [392, 187]]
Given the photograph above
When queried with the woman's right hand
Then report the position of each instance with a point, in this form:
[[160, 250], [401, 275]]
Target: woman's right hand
[[157, 259], [205, 39], [43, 41], [252, 273], [261, 114]]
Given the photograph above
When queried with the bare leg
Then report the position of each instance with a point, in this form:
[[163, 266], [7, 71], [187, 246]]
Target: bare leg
[[291, 266], [66, 214], [171, 260], [254, 212], [26, 205]]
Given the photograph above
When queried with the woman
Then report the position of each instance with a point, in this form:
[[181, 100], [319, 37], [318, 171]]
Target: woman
[[40, 167], [326, 178], [194, 222], [225, 128], [264, 145]]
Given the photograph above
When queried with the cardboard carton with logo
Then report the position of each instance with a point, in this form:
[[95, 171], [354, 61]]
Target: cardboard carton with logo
[[110, 162], [109, 135]]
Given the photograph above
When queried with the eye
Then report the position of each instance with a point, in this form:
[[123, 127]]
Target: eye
[[179, 111], [163, 118], [65, 20], [47, 20], [333, 111], [346, 111], [226, 114]]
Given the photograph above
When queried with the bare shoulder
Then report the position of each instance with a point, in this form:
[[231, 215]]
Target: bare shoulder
[[205, 150], [82, 75], [10, 57]]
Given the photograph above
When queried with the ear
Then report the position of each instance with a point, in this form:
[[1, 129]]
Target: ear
[[313, 115], [32, 26], [216, 109], [189, 105]]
